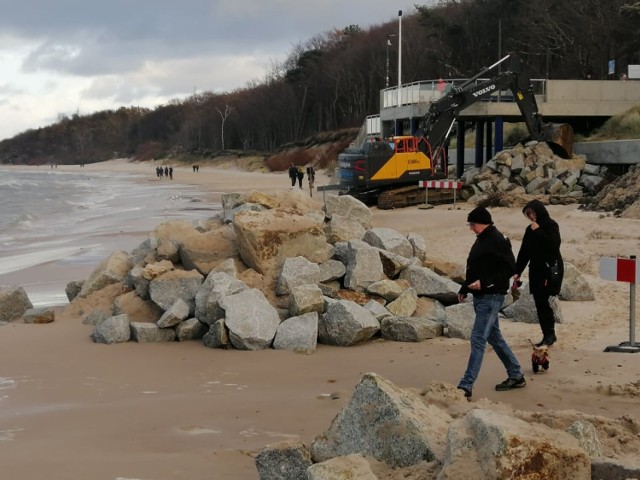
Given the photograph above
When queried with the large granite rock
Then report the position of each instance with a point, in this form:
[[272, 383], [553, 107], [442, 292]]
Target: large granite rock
[[190, 329], [524, 309], [495, 445], [409, 329], [170, 286], [429, 284], [111, 270], [387, 423], [574, 286], [39, 315], [296, 271], [364, 266], [348, 207], [266, 239], [216, 286], [143, 332], [115, 329], [251, 320], [390, 240], [14, 301], [343, 229], [299, 334], [287, 460], [203, 251], [346, 323]]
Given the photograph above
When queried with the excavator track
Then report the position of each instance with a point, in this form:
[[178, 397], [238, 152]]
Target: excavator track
[[408, 196]]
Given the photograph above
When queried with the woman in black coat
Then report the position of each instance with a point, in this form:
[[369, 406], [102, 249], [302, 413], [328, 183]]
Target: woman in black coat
[[541, 251]]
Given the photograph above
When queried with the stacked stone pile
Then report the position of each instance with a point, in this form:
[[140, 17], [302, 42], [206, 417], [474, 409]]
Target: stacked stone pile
[[385, 432], [621, 196], [535, 170], [274, 272]]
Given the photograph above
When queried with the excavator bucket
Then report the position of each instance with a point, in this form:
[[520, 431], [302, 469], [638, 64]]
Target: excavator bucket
[[559, 136]]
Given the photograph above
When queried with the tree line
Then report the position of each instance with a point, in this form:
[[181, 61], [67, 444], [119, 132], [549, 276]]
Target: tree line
[[333, 80]]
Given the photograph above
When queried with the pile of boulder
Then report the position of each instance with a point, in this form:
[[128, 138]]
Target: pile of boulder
[[269, 275], [388, 432], [285, 273], [621, 196], [534, 169]]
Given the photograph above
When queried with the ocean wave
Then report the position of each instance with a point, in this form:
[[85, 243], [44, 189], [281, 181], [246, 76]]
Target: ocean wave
[[16, 184], [7, 382], [26, 260], [24, 221]]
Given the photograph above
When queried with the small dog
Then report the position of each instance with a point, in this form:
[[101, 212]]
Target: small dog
[[539, 357]]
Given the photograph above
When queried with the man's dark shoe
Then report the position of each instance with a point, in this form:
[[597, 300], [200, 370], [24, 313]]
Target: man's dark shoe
[[511, 383], [467, 391]]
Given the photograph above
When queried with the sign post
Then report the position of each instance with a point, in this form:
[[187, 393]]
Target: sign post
[[624, 270]]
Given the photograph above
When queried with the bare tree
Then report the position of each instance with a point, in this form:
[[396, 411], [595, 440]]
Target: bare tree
[[224, 115]]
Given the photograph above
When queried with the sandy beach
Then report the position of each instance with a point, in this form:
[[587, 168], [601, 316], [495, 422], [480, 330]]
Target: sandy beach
[[72, 409]]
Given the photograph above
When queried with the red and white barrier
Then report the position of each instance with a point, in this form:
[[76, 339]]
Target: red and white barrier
[[427, 184], [623, 270], [619, 269], [440, 184]]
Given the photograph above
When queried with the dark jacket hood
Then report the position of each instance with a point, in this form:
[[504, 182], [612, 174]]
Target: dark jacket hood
[[537, 206]]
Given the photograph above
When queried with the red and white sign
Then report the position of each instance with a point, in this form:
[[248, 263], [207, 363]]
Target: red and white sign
[[441, 184], [619, 269]]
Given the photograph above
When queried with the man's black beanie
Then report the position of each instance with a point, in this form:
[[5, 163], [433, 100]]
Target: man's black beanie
[[480, 215]]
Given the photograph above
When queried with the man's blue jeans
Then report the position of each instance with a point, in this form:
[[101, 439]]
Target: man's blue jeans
[[487, 329]]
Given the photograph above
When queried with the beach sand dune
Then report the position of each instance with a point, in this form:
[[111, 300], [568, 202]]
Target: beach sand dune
[[73, 409]]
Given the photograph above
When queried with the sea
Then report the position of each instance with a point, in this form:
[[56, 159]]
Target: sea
[[56, 226]]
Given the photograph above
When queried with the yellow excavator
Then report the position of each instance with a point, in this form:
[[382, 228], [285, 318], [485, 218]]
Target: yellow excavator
[[387, 173]]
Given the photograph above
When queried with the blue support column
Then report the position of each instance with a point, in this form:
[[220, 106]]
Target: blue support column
[[499, 134], [479, 142], [489, 146], [460, 148], [414, 122]]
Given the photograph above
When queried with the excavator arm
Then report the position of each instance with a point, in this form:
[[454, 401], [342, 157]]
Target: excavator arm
[[438, 122]]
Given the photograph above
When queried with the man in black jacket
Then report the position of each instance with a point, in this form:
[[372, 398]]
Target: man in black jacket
[[293, 175], [490, 266]]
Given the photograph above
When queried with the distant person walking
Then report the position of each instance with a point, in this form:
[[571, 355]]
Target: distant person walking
[[166, 171], [540, 250], [490, 266], [300, 175], [311, 174], [171, 173], [293, 175]]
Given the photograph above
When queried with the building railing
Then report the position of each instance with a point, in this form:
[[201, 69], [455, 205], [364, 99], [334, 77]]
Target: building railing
[[428, 91]]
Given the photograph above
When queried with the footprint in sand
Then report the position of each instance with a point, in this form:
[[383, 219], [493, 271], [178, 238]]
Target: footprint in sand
[[197, 430]]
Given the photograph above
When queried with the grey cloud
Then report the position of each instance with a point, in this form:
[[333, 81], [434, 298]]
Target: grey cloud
[[137, 51], [8, 89], [93, 38]]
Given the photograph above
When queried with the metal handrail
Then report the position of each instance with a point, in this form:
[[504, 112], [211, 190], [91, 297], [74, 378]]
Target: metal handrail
[[428, 91]]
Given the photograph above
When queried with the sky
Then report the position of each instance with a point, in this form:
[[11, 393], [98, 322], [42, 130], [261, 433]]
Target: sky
[[61, 57]]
